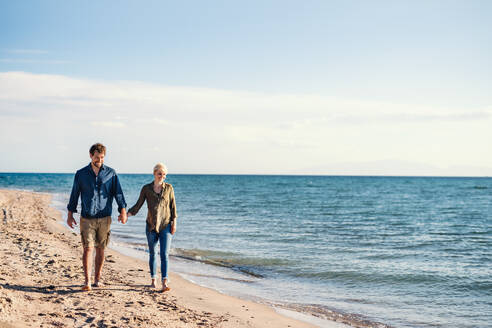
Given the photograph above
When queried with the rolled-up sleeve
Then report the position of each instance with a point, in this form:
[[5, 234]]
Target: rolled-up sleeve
[[172, 205], [118, 193], [141, 199], [74, 195]]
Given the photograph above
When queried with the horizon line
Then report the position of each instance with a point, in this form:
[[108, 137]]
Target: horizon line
[[282, 174]]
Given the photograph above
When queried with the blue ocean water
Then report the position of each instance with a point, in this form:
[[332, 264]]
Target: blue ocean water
[[403, 251]]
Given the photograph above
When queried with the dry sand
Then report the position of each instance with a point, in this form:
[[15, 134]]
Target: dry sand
[[41, 277]]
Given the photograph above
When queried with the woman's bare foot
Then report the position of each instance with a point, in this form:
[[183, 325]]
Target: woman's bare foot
[[153, 284], [165, 287]]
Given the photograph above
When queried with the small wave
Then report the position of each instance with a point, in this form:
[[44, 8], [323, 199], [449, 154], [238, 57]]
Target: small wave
[[220, 277], [481, 287], [230, 257], [202, 253], [386, 256], [249, 266], [480, 187], [378, 278], [135, 244], [415, 246]]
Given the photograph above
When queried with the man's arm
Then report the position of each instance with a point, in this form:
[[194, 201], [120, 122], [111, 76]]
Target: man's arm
[[120, 200], [74, 199]]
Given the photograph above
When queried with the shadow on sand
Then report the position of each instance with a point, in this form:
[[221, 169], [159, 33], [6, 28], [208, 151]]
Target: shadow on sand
[[74, 289]]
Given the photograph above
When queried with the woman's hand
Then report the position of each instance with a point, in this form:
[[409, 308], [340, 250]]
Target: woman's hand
[[173, 227]]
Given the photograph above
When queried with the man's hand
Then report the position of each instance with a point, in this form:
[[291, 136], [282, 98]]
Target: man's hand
[[123, 217], [70, 220]]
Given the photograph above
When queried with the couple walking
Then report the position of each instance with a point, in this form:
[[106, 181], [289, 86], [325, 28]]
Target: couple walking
[[97, 185]]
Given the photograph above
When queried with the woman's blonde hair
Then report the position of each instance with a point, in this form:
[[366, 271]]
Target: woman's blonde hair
[[160, 166]]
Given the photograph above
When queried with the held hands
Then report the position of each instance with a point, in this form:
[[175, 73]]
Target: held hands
[[70, 220], [123, 217]]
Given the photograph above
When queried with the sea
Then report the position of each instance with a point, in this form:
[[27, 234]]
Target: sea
[[372, 251]]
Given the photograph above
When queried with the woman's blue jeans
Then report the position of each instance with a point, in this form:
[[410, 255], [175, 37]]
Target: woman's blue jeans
[[164, 239]]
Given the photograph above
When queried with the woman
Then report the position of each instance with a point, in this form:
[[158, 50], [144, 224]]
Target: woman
[[161, 221]]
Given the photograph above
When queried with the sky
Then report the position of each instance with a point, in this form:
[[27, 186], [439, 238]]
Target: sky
[[248, 87]]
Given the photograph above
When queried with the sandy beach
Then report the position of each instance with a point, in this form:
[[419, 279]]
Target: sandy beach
[[41, 277]]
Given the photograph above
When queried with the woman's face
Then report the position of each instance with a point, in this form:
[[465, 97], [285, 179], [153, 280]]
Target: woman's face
[[159, 176]]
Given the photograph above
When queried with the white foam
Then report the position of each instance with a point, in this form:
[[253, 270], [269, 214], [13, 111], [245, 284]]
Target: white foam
[[310, 319]]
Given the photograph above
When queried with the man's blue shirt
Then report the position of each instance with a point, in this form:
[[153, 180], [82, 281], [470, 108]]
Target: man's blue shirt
[[97, 192]]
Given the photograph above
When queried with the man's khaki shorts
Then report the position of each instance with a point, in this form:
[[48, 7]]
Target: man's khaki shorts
[[95, 232]]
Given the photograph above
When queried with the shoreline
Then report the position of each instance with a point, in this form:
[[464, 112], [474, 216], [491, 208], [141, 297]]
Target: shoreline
[[317, 315], [301, 312], [41, 267]]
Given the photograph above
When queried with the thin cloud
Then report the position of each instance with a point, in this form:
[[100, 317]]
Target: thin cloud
[[27, 51], [226, 129], [412, 118], [154, 120], [33, 61], [191, 104], [108, 124]]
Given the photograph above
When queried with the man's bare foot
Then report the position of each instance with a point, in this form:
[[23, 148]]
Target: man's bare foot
[[98, 283], [86, 288]]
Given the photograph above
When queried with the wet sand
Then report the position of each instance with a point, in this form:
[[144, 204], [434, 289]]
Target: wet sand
[[41, 277]]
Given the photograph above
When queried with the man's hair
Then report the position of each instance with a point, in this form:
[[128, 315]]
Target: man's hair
[[99, 147]]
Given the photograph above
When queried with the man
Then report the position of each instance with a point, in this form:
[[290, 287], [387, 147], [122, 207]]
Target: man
[[97, 184]]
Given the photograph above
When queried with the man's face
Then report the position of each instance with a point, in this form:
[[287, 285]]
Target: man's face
[[97, 159]]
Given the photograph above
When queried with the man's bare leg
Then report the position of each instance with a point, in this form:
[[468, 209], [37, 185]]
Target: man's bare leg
[[87, 263], [99, 265]]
